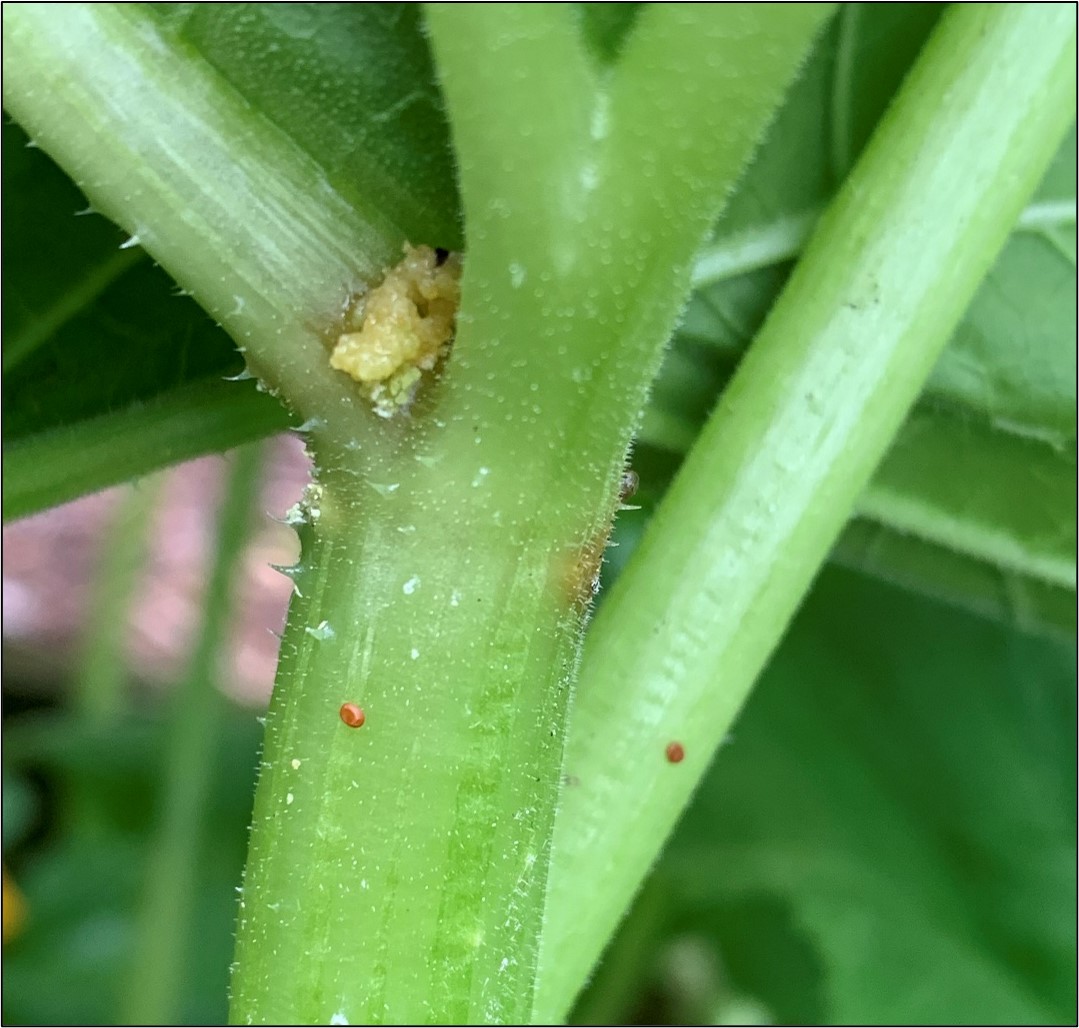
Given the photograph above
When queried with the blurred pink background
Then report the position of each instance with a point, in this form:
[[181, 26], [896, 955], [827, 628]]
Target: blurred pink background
[[50, 561]]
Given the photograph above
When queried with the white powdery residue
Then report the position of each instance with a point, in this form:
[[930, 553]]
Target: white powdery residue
[[455, 598], [295, 515], [288, 799], [295, 764], [415, 653], [517, 275], [505, 963], [339, 1018], [481, 474], [310, 425], [411, 585], [321, 631]]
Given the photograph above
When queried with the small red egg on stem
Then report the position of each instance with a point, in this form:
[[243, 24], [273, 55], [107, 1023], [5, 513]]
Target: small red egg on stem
[[675, 752], [352, 715]]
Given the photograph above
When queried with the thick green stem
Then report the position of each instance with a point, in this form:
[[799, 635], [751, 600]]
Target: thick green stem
[[776, 471], [398, 870], [165, 916], [398, 867], [443, 591]]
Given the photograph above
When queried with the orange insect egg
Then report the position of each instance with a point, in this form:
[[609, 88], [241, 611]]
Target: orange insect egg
[[352, 715], [675, 752]]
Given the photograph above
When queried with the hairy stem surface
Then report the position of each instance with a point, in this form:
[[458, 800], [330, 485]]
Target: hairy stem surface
[[775, 473]]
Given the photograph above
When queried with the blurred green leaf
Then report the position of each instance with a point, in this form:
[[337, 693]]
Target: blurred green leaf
[[62, 967], [60, 464], [69, 963], [889, 835], [1011, 366], [199, 718], [986, 468], [904, 782], [1006, 498], [20, 807], [1028, 603]]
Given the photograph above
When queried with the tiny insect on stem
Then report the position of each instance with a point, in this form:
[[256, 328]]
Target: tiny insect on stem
[[675, 752]]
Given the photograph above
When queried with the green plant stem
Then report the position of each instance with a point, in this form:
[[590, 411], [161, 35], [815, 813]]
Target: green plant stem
[[165, 917], [783, 239], [950, 478], [998, 570], [399, 867], [149, 131], [397, 871], [204, 417], [775, 474]]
